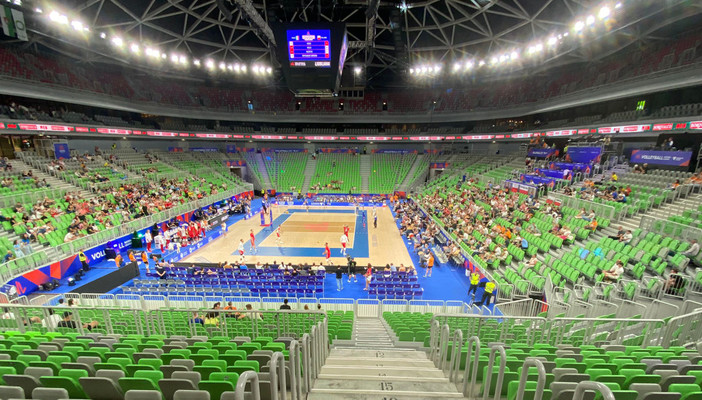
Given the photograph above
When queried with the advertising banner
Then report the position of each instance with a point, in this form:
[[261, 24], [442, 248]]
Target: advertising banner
[[673, 158], [542, 153], [175, 149], [554, 173], [438, 165], [204, 149], [584, 154], [344, 151], [232, 148], [235, 163], [388, 151], [61, 151]]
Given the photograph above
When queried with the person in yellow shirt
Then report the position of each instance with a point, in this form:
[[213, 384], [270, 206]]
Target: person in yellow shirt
[[474, 282], [490, 288]]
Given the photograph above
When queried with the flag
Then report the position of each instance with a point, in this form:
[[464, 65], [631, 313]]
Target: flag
[[20, 27], [8, 23], [13, 23]]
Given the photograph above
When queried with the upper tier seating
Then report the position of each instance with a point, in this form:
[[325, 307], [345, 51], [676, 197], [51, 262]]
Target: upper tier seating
[[388, 171], [336, 173]]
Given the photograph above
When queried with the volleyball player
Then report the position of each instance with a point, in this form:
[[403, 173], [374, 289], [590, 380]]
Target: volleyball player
[[278, 238], [253, 241], [344, 240], [327, 253], [241, 249]]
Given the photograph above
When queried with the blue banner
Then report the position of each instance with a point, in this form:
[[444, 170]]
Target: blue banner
[[175, 149], [553, 173], [542, 153], [205, 149], [673, 158], [571, 166], [537, 180], [585, 155], [61, 151]]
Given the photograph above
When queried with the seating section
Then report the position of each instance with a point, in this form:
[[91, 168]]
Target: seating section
[[395, 285], [338, 173], [207, 354], [631, 370], [286, 170], [265, 282], [388, 171]]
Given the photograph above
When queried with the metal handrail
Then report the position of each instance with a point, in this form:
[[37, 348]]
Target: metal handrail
[[277, 378], [244, 378], [500, 373], [590, 385], [295, 372], [474, 377], [540, 384], [455, 365], [306, 361], [443, 347]]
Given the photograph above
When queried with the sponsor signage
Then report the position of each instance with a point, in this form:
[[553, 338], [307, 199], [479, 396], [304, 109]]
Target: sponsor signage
[[673, 158]]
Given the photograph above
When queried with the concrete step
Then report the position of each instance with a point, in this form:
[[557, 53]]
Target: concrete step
[[331, 395], [386, 362], [384, 376], [387, 388], [390, 372]]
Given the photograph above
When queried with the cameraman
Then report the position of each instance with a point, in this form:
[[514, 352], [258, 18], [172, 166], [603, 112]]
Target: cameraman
[[351, 268]]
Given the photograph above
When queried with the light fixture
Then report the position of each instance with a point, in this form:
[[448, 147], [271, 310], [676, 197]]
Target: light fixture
[[77, 25], [196, 62], [357, 70], [117, 41], [579, 26], [604, 12], [269, 70], [590, 20], [552, 41], [134, 48], [38, 10], [103, 35], [514, 55], [222, 66], [210, 64]]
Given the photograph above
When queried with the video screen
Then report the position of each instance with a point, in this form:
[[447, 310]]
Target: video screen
[[309, 48]]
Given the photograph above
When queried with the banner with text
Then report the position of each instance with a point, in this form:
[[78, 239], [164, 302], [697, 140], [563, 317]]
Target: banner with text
[[542, 153], [61, 151], [584, 154], [175, 149], [674, 158], [343, 151], [235, 163]]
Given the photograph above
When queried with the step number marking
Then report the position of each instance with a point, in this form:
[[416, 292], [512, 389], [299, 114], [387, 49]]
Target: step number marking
[[389, 398], [379, 354], [386, 386]]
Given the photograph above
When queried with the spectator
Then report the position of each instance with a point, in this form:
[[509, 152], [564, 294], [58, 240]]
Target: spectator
[[339, 279], [626, 238], [68, 322], [620, 233], [615, 272], [285, 305], [692, 251], [674, 283], [250, 315], [487, 294], [52, 320]]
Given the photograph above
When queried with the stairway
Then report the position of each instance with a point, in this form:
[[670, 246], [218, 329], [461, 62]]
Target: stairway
[[375, 369], [405, 184], [365, 170], [310, 169], [265, 179]]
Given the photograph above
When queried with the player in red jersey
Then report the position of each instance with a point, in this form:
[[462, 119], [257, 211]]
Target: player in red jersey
[[346, 230], [327, 253], [253, 241], [278, 238]]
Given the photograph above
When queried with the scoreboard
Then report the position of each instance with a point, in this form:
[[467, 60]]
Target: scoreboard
[[309, 48]]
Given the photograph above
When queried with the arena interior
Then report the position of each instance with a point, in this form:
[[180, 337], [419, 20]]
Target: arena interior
[[351, 199]]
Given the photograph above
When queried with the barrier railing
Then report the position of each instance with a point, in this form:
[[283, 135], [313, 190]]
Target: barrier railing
[[683, 330], [647, 332], [670, 228], [601, 210]]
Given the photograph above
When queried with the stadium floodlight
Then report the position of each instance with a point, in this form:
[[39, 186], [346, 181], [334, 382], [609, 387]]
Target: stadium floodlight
[[77, 25], [504, 58], [196, 62], [237, 68], [59, 18], [222, 66], [590, 20], [230, 67], [255, 69], [411, 70], [183, 59], [357, 70], [618, 6], [17, 2], [514, 55], [604, 12], [117, 41], [103, 35], [269, 70], [163, 56], [38, 10], [456, 66], [437, 68], [468, 65], [243, 68], [552, 41], [174, 58], [210, 64], [134, 48], [579, 26], [494, 60], [481, 63]]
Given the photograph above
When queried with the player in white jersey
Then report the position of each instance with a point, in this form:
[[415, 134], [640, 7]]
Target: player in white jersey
[[241, 249], [344, 240], [278, 238]]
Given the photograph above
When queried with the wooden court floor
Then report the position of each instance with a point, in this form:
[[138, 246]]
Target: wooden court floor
[[310, 231]]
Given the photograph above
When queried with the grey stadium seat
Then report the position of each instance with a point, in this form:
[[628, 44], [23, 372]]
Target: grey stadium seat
[[191, 395], [100, 388], [143, 395], [44, 393], [111, 374], [11, 392], [193, 377], [170, 386], [27, 382]]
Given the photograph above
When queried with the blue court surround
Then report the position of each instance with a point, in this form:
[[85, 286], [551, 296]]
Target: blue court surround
[[359, 249]]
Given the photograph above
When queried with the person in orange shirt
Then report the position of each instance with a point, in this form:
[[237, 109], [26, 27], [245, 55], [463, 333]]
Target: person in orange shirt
[[430, 265], [131, 256], [118, 260]]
